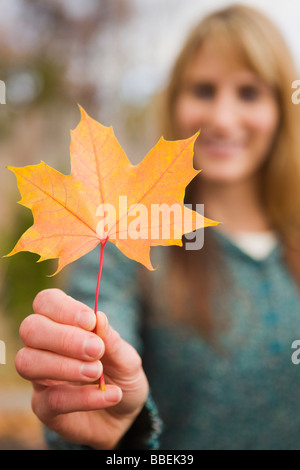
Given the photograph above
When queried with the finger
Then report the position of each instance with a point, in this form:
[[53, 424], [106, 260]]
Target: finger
[[62, 399], [61, 308], [39, 332], [120, 358], [33, 364]]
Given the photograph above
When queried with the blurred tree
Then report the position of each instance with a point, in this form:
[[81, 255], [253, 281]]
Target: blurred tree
[[22, 278], [45, 52]]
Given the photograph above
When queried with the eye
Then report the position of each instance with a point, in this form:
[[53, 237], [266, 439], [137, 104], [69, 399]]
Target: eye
[[204, 91], [249, 93]]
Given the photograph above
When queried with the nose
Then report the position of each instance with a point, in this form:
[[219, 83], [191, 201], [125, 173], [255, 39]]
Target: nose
[[223, 116]]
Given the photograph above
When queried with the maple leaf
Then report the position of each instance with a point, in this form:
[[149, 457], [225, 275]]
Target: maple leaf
[[74, 213]]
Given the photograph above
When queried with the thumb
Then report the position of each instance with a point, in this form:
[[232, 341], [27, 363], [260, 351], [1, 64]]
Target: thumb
[[119, 356]]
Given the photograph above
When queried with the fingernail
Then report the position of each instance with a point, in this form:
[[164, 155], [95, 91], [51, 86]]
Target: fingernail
[[86, 319], [114, 395], [93, 370], [93, 346]]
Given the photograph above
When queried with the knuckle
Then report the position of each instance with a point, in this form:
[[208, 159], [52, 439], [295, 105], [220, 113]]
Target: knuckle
[[43, 298], [62, 368], [60, 311], [86, 399], [68, 369], [55, 400], [22, 363], [71, 342], [40, 300], [67, 339], [27, 328]]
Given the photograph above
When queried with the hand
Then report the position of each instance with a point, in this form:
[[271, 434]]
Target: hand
[[61, 358]]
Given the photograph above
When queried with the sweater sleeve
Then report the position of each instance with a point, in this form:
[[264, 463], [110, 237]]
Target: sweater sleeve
[[119, 299]]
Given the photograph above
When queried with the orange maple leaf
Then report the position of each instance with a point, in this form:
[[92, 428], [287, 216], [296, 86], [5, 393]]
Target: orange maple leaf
[[107, 198]]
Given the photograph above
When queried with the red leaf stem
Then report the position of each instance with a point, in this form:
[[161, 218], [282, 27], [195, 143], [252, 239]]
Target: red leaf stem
[[102, 245]]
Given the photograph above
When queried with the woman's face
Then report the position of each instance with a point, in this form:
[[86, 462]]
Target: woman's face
[[236, 111]]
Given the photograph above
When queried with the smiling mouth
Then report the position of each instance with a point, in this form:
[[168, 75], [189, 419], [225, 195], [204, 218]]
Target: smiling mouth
[[218, 147]]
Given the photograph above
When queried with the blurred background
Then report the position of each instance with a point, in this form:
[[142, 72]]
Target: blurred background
[[113, 57]]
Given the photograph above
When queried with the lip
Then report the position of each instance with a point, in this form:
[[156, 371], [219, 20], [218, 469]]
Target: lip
[[221, 148]]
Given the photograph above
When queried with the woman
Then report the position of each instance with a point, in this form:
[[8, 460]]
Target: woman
[[217, 324]]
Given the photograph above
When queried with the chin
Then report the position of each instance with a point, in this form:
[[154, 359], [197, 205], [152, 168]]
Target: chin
[[221, 176]]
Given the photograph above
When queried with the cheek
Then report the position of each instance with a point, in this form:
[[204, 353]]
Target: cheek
[[263, 124], [188, 117]]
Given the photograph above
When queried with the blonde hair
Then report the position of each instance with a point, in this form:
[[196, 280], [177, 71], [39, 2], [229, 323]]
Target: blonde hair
[[259, 43]]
